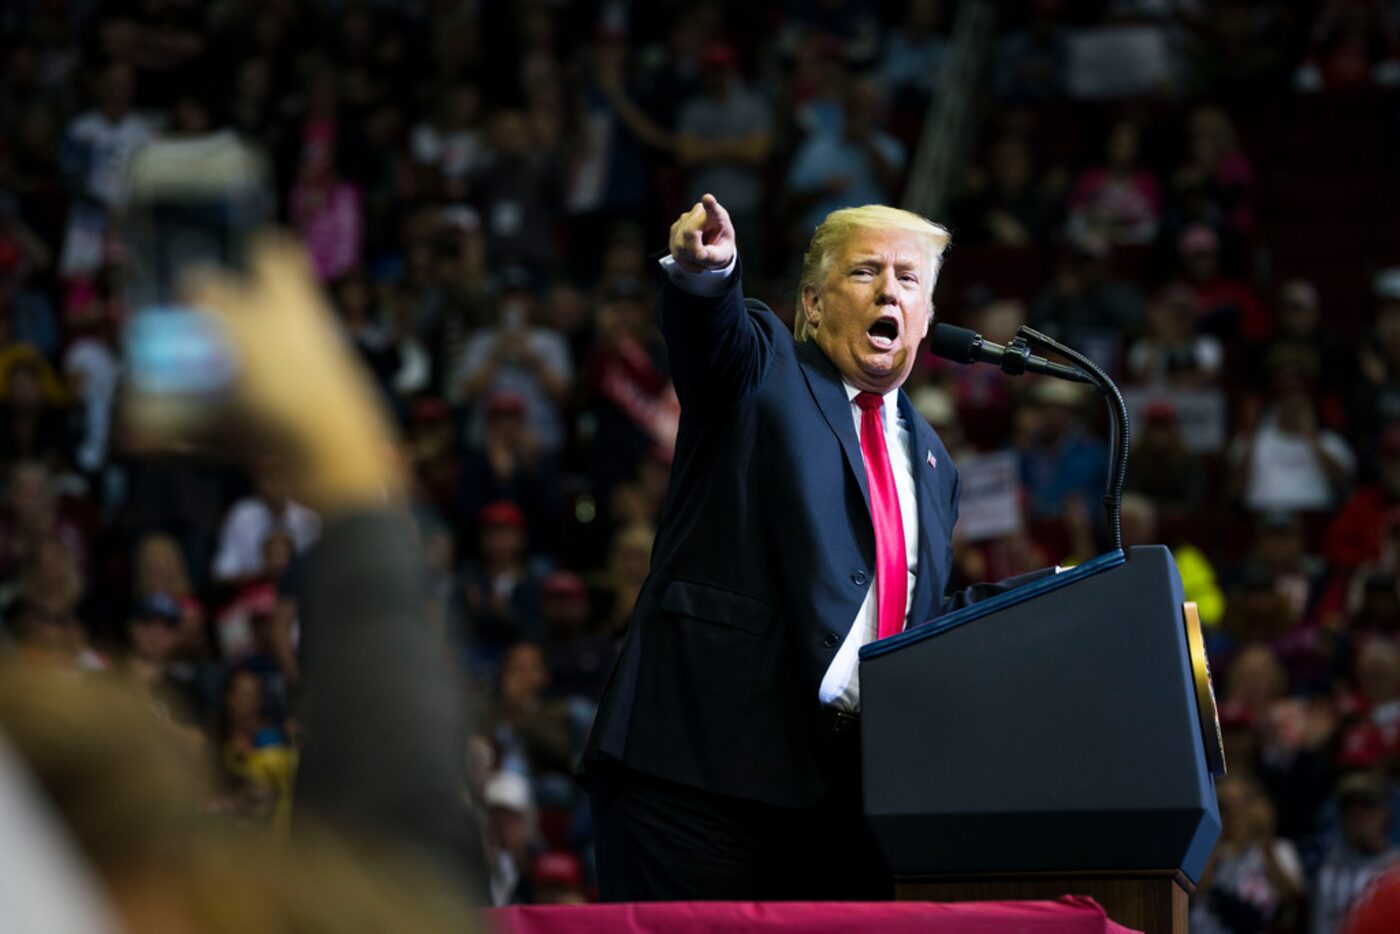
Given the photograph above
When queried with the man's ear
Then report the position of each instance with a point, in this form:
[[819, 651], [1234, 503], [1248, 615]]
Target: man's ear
[[928, 321], [811, 306]]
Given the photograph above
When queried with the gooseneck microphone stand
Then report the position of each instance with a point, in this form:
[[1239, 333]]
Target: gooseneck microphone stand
[[1028, 337]]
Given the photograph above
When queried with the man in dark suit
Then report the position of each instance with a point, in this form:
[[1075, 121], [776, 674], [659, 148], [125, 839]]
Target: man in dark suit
[[809, 513]]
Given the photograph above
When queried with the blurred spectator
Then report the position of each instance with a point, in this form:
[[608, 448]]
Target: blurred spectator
[[1005, 203], [1063, 459], [327, 209], [609, 181], [25, 261], [517, 189], [1280, 546], [445, 291], [1353, 44], [1086, 306], [1032, 64], [578, 661], [632, 402], [1253, 879], [159, 576], [33, 422], [723, 136], [448, 143], [1217, 170], [1170, 351], [1256, 612], [912, 60], [153, 639], [1118, 199], [511, 837], [30, 169], [1161, 466], [252, 519], [430, 440], [511, 465], [851, 25], [97, 148], [502, 584], [1378, 356], [537, 736], [249, 629], [1355, 536], [1360, 853], [1198, 578], [858, 164], [1377, 678], [1375, 910], [1227, 306], [1288, 463], [629, 560], [639, 501], [1299, 340], [32, 517], [256, 754], [982, 396], [1256, 680], [557, 879], [818, 86], [43, 617], [355, 299], [520, 356], [91, 366], [1241, 49], [1371, 610]]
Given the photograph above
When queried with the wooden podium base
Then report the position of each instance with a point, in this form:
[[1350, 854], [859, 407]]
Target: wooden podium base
[[1151, 901]]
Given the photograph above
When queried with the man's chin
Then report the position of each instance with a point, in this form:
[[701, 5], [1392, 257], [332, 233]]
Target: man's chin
[[879, 374]]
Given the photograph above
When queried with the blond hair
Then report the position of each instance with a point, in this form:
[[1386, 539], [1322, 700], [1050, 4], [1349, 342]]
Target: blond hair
[[838, 227]]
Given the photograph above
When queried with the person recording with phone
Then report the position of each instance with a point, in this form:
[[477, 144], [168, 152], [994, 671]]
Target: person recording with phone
[[519, 356]]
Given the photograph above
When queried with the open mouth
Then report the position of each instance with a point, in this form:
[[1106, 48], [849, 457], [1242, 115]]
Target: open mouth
[[884, 332]]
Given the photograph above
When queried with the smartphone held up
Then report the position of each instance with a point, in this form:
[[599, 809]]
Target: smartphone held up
[[195, 203]]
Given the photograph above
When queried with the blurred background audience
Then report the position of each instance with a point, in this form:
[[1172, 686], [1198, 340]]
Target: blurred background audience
[[1194, 194]]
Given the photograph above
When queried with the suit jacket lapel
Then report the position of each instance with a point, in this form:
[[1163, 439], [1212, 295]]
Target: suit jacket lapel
[[830, 395], [927, 588]]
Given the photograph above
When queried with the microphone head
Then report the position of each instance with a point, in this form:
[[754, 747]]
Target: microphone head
[[954, 343]]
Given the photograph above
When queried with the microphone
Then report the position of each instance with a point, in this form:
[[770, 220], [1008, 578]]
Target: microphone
[[965, 346]]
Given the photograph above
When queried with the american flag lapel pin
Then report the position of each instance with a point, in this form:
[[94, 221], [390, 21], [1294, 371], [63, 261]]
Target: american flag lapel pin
[[932, 461]]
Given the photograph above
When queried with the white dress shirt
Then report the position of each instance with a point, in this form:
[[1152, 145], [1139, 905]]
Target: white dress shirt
[[840, 688]]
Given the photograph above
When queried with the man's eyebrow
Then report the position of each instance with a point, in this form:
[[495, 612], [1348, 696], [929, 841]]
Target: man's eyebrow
[[873, 259]]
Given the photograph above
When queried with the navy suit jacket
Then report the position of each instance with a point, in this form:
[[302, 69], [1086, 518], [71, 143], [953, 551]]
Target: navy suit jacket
[[763, 556]]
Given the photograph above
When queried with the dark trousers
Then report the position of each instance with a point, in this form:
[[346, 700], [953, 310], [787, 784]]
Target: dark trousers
[[661, 841]]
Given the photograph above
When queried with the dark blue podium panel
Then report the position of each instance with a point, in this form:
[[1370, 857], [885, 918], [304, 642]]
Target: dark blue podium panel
[[1053, 728]]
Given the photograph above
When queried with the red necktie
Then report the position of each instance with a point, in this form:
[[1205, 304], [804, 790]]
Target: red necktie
[[891, 561]]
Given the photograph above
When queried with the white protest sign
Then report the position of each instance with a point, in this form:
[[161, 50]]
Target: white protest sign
[[1201, 413], [990, 503]]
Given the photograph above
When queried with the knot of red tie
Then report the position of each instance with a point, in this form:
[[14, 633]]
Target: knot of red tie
[[869, 400]]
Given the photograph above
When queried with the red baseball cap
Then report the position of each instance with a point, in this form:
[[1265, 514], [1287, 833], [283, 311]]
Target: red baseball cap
[[505, 403], [558, 869], [502, 512], [1362, 747], [563, 584]]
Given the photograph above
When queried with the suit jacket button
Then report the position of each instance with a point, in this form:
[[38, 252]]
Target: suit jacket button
[[858, 578], [831, 640]]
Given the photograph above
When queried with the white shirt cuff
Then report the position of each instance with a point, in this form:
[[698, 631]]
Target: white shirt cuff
[[706, 282]]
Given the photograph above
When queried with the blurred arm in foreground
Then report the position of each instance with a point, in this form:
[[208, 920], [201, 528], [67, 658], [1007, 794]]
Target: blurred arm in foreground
[[383, 726]]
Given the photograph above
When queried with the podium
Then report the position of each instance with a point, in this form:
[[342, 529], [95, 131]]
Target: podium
[[1058, 739]]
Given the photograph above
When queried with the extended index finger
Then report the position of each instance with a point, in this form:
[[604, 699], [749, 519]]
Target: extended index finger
[[714, 211]]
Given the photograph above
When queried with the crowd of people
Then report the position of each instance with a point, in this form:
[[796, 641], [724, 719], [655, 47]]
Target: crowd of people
[[480, 186]]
